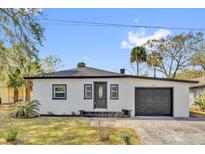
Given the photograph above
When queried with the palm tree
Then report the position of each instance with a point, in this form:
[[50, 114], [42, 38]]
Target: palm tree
[[15, 81], [154, 59], [31, 68], [138, 55], [14, 65]]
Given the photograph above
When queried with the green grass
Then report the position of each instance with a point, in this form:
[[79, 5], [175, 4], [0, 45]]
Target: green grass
[[64, 130]]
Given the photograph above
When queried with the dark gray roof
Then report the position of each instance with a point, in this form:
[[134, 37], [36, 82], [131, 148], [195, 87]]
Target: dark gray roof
[[80, 72], [89, 72]]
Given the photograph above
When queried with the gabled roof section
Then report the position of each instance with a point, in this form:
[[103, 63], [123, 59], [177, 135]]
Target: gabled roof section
[[201, 82], [89, 72]]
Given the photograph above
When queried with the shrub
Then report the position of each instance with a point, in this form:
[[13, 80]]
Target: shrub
[[50, 113], [8, 125], [126, 138], [103, 131], [11, 135], [104, 127], [200, 101], [73, 113], [27, 109]]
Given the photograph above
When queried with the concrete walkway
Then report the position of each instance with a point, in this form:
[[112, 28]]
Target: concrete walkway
[[167, 131]]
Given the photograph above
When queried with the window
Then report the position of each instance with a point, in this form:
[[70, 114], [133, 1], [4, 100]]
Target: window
[[114, 91], [59, 91], [88, 91]]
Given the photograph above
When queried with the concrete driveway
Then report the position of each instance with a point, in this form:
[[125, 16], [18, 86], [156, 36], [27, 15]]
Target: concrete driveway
[[165, 131]]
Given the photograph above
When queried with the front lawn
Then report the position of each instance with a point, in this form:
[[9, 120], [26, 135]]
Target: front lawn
[[64, 130]]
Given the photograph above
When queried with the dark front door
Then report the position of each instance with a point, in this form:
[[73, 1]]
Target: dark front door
[[100, 95], [153, 101]]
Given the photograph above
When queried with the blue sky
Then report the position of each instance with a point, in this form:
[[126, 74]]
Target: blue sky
[[105, 47]]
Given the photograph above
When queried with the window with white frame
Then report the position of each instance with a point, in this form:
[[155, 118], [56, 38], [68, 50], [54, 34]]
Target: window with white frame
[[114, 91], [59, 91], [87, 91]]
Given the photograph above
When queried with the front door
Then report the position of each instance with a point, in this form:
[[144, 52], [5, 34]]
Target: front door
[[100, 95]]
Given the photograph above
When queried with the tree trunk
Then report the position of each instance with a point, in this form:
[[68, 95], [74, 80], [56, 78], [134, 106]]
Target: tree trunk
[[8, 94], [16, 93], [154, 72], [137, 68], [28, 91]]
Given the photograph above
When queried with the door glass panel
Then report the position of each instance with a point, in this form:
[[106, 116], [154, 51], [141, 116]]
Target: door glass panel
[[100, 92], [114, 94]]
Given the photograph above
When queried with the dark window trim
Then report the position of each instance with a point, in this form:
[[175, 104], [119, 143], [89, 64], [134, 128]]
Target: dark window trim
[[117, 91], [53, 91], [91, 91]]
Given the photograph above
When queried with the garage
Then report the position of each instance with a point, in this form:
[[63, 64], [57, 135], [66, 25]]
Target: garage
[[153, 102]]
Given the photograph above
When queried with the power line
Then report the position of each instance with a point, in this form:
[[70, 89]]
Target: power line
[[102, 24], [74, 24]]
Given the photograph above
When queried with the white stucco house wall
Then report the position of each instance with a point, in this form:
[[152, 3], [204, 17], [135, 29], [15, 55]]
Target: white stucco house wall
[[89, 89]]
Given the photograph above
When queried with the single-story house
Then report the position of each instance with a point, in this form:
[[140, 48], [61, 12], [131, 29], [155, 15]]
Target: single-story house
[[196, 90], [90, 89]]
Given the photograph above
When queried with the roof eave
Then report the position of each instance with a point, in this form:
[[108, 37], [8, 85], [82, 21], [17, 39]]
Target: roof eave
[[70, 77], [114, 76], [197, 86]]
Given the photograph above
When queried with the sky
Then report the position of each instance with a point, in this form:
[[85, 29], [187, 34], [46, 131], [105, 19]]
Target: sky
[[109, 47]]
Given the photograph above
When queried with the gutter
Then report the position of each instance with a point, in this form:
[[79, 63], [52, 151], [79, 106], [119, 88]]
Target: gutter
[[197, 86], [114, 76]]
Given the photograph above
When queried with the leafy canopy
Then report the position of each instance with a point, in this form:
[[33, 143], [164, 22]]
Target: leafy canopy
[[199, 59], [154, 59], [176, 52], [15, 79], [21, 35], [81, 64], [189, 74], [51, 63], [138, 54]]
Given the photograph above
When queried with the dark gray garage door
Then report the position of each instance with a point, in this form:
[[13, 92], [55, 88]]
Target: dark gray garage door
[[153, 101]]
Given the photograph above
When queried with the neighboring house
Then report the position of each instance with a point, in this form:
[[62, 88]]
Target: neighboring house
[[196, 90], [7, 94], [89, 89]]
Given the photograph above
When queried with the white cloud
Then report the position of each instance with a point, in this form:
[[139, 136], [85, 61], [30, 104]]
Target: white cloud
[[140, 37], [136, 20], [124, 44]]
